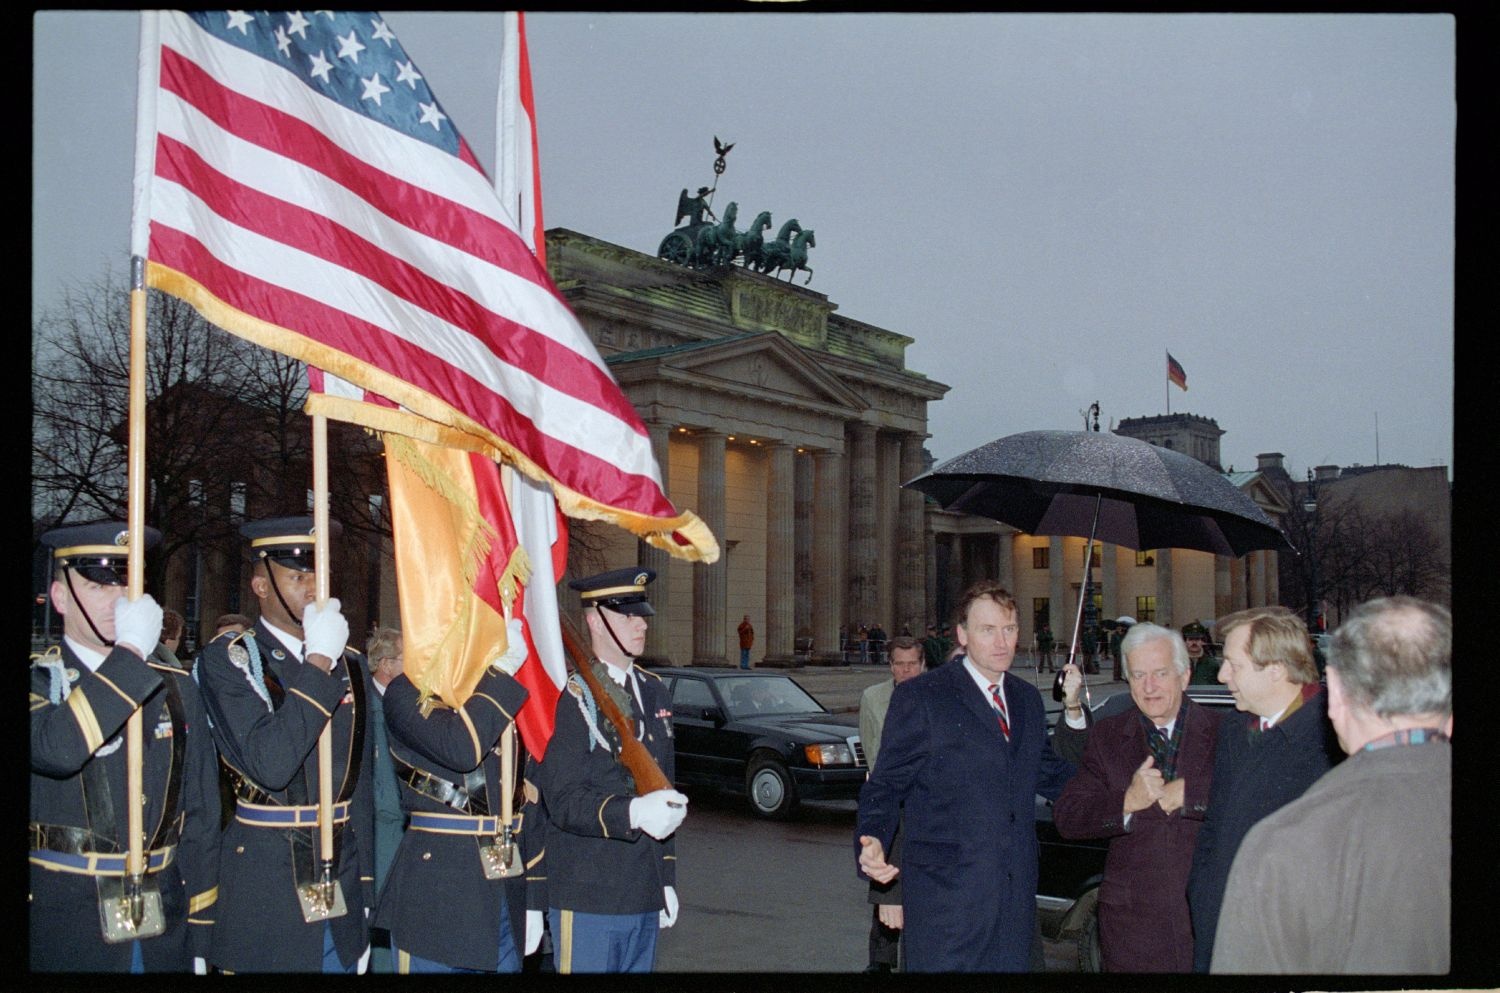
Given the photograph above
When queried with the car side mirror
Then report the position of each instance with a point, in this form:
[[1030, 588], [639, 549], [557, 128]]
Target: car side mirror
[[713, 714]]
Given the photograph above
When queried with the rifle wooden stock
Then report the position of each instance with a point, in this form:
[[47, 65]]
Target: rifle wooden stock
[[633, 755]]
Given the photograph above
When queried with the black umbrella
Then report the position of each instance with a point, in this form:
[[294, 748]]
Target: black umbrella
[[1101, 486]]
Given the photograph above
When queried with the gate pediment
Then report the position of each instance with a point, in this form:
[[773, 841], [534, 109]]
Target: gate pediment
[[762, 366]]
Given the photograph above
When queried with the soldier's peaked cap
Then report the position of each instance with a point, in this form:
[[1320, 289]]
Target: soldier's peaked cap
[[1193, 629], [621, 590], [98, 551], [287, 541]]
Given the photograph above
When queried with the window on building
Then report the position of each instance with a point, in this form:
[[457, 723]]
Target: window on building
[[1147, 557], [237, 499], [195, 492], [1098, 555], [1145, 608], [1041, 557]]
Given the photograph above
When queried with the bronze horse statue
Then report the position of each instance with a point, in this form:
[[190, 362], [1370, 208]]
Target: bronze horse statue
[[783, 254], [718, 244], [751, 247]]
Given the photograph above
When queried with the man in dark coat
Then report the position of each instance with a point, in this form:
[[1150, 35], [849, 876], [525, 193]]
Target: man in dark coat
[[448, 765], [82, 694], [1144, 784], [1263, 760], [963, 755], [611, 860], [269, 693]]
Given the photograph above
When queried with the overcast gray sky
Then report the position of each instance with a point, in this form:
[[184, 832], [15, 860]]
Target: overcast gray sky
[[1046, 203]]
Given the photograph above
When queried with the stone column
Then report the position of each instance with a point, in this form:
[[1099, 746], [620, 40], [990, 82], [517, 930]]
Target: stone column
[[1257, 592], [1164, 615], [912, 605], [780, 557], [1005, 558], [1110, 577], [1223, 587], [1060, 617], [830, 532], [803, 596], [1237, 583], [863, 606], [658, 650], [710, 582], [1273, 576], [957, 579]]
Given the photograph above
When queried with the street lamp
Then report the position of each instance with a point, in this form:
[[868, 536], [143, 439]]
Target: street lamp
[[1310, 505]]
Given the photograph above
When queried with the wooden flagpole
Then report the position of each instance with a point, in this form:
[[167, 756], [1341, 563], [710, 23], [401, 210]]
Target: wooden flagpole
[[135, 864], [321, 580]]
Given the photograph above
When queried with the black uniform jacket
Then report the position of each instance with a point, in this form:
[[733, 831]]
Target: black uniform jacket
[[597, 863], [437, 902], [77, 746], [272, 741]]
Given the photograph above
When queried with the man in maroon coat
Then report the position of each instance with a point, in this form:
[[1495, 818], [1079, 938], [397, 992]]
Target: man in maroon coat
[[1143, 784]]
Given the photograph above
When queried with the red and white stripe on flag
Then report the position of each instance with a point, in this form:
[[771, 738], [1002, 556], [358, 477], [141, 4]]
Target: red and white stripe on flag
[[305, 189], [540, 528]]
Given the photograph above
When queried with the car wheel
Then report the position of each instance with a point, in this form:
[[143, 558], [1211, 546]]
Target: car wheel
[[1090, 958], [770, 789]]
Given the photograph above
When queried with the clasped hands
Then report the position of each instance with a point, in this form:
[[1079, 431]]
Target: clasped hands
[[1147, 787]]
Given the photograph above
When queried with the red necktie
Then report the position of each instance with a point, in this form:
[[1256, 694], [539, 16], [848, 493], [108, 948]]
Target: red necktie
[[1000, 710]]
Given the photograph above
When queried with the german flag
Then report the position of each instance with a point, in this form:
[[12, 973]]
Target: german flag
[[1175, 373]]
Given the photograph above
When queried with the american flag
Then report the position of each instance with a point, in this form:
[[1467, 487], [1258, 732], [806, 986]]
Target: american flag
[[305, 189]]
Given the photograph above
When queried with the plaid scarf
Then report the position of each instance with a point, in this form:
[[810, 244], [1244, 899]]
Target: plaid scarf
[[1164, 750]]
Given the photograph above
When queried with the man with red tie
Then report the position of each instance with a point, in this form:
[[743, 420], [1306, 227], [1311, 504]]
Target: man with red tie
[[963, 754]]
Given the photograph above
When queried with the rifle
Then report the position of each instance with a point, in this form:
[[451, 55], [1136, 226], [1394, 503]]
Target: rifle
[[633, 755]]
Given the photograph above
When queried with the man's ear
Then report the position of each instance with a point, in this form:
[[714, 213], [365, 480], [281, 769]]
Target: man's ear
[[260, 585], [60, 599]]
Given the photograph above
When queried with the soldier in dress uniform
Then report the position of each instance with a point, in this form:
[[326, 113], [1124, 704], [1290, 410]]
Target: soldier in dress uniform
[[82, 693], [455, 899], [611, 861], [270, 691]]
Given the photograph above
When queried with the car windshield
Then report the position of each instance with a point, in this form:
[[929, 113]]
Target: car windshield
[[760, 696]]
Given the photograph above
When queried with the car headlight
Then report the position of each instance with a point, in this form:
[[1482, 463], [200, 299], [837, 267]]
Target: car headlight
[[829, 754]]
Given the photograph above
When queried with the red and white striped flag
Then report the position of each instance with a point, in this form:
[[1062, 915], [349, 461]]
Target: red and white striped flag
[[541, 530], [300, 185]]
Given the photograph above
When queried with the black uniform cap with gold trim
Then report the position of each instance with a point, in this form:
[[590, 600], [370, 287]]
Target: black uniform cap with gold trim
[[99, 552], [287, 541], [621, 590]]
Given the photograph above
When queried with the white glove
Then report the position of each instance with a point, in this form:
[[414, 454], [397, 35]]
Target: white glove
[[658, 813], [363, 966], [533, 931], [324, 631], [138, 624], [668, 915], [514, 655], [200, 966]]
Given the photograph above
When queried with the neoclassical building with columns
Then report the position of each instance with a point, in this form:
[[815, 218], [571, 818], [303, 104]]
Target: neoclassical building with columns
[[789, 428], [786, 426]]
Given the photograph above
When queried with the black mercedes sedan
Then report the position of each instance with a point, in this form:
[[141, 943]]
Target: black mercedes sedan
[[761, 734]]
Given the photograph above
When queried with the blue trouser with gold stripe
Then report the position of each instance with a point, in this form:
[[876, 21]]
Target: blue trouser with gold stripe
[[603, 942]]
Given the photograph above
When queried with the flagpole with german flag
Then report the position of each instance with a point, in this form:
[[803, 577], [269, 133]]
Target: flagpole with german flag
[[1175, 374]]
